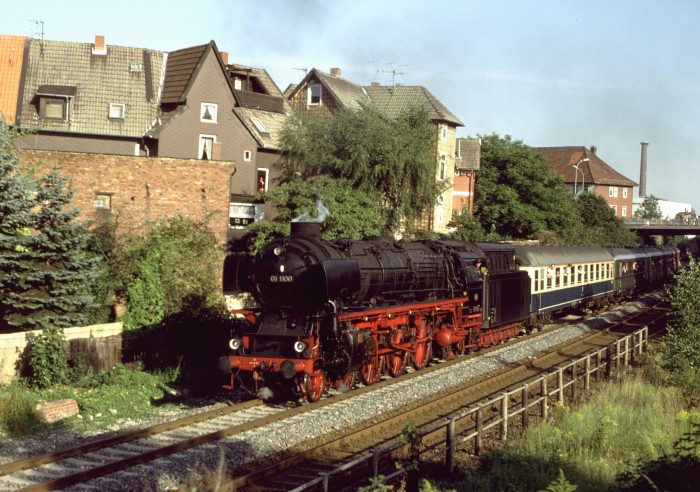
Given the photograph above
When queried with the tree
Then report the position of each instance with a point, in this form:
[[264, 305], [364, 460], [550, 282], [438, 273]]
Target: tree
[[16, 190], [467, 227], [517, 194], [681, 346], [53, 274], [599, 226], [173, 267], [394, 160], [649, 209], [343, 211]]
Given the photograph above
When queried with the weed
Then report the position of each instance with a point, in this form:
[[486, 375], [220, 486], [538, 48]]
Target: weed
[[17, 412]]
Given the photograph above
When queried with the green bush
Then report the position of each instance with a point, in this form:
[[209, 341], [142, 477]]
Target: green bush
[[47, 358]]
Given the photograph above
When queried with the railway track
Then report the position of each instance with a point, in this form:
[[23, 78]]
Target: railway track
[[346, 462], [82, 465]]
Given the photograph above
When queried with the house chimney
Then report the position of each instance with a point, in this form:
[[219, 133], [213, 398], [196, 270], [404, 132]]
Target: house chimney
[[99, 48], [643, 172], [224, 57], [335, 72], [376, 84], [593, 149]]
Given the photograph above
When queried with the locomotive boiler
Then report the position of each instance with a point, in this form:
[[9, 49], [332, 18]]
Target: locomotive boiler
[[332, 312]]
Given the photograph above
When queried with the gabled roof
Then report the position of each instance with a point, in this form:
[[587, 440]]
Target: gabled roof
[[391, 101], [129, 76], [183, 67], [347, 94], [11, 56], [596, 171]]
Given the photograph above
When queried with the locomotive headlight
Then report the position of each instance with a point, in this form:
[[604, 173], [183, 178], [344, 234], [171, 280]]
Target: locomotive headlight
[[278, 250], [235, 343], [299, 346]]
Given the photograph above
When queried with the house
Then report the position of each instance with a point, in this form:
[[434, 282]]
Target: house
[[11, 55], [89, 97], [583, 170], [467, 164], [328, 93], [189, 105]]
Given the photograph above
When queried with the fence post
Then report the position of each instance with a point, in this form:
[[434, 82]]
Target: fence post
[[479, 429], [544, 397], [504, 417], [617, 356], [450, 444], [598, 360], [325, 481], [526, 404], [574, 375], [627, 350], [375, 462], [587, 378], [560, 382]]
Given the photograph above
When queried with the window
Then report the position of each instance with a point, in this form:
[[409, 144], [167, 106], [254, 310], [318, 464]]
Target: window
[[247, 155], [624, 192], [443, 161], [440, 209], [117, 111], [206, 146], [262, 179], [624, 211], [612, 191], [103, 201], [614, 207], [443, 132], [242, 214], [208, 113], [314, 94], [54, 108], [259, 125], [237, 84]]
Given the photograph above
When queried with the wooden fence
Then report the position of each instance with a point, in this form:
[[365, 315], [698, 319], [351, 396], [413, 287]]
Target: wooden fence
[[492, 417], [98, 345]]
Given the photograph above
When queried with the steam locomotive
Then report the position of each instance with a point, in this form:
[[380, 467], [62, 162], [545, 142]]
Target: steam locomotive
[[331, 313]]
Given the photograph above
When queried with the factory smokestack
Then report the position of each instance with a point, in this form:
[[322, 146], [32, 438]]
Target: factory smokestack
[[643, 172]]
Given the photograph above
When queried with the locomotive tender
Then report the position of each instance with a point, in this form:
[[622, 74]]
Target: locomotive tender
[[332, 312]]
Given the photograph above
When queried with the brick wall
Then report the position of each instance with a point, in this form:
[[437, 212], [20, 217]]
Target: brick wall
[[53, 411], [142, 189]]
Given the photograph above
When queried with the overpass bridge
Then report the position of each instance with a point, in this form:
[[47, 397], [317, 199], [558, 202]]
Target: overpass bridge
[[671, 227]]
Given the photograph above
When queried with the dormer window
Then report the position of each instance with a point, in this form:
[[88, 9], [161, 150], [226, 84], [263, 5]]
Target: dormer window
[[209, 113], [55, 102], [315, 91], [117, 111]]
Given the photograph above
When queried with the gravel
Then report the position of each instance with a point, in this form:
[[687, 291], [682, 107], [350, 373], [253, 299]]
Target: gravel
[[186, 467]]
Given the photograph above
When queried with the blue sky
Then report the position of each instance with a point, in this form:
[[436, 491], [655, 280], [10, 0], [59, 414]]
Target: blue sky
[[547, 72]]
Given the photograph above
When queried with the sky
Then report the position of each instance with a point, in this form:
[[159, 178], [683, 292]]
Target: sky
[[609, 73]]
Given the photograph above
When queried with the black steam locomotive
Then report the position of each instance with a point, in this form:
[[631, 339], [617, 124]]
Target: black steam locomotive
[[332, 312]]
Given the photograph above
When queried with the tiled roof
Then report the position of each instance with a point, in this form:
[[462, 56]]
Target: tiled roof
[[596, 171], [468, 154], [129, 76], [271, 121], [348, 94], [391, 101], [181, 72], [11, 55]]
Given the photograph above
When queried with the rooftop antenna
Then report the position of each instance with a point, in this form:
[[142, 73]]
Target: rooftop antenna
[[38, 26], [305, 70], [393, 73]]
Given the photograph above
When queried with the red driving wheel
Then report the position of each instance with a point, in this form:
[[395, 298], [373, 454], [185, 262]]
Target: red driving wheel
[[315, 384], [372, 367], [424, 349]]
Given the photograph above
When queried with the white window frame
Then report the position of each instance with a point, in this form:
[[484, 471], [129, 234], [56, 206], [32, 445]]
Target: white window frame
[[202, 140], [440, 214], [117, 111], [443, 166], [612, 191], [443, 132], [266, 172], [311, 98], [213, 112], [103, 201], [624, 211], [259, 125], [247, 155], [624, 192], [614, 207]]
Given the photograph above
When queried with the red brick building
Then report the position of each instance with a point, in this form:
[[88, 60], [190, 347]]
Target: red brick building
[[582, 170]]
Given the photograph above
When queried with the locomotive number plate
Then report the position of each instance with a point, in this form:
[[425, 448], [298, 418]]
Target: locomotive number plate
[[281, 278]]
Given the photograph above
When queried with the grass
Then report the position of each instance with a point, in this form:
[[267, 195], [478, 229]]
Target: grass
[[624, 424], [107, 401]]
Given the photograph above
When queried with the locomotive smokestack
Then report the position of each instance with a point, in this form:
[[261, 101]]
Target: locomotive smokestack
[[643, 172], [306, 229]]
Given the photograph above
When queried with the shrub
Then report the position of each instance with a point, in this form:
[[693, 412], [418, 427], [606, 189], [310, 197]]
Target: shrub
[[17, 412], [47, 358]]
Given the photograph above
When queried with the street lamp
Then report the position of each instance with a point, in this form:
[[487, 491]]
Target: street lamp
[[583, 176]]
